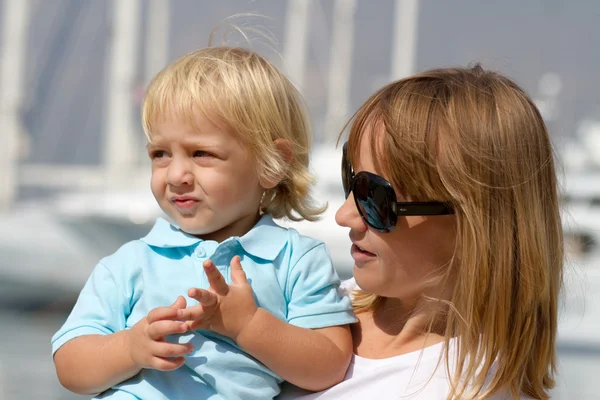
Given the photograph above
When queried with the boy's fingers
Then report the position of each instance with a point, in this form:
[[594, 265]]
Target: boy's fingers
[[193, 313], [168, 312], [161, 313], [180, 302], [159, 329], [215, 279], [171, 350], [167, 364], [196, 324], [204, 297], [237, 272]]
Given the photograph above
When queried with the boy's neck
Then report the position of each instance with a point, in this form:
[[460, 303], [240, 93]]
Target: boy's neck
[[237, 228]]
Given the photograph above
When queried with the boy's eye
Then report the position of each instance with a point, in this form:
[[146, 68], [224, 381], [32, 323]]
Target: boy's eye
[[158, 154], [200, 153]]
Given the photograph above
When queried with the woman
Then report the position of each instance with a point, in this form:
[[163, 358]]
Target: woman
[[456, 235]]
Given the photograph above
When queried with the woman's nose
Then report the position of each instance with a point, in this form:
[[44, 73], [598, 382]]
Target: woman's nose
[[348, 216]]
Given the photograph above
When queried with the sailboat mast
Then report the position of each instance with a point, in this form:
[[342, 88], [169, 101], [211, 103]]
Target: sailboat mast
[[157, 38], [340, 67], [16, 23], [296, 35], [404, 42], [120, 150]]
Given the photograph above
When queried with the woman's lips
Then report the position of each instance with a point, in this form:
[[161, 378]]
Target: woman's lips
[[359, 254]]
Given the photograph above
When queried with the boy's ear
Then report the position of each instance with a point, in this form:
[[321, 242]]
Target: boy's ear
[[285, 150]]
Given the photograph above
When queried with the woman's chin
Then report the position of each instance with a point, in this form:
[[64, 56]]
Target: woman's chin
[[366, 280]]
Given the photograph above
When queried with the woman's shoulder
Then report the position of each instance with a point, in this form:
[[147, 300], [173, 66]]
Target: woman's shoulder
[[378, 378], [418, 375]]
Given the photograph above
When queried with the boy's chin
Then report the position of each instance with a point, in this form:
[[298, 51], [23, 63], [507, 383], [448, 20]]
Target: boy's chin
[[192, 227]]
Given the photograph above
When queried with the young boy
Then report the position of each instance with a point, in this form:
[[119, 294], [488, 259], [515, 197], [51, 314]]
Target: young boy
[[228, 139]]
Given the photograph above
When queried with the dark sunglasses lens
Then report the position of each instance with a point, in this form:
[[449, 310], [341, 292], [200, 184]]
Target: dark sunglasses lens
[[373, 204], [346, 172]]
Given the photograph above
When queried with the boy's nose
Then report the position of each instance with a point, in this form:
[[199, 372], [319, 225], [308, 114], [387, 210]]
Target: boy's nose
[[179, 173]]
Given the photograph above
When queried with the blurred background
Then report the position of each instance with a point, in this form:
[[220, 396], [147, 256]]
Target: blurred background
[[74, 177]]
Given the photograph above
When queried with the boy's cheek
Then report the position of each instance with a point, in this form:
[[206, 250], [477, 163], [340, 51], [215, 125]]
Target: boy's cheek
[[157, 186]]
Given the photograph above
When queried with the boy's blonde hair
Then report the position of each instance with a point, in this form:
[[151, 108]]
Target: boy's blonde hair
[[241, 91], [475, 139]]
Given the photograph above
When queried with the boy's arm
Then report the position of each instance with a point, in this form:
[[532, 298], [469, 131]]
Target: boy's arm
[[94, 350], [311, 359], [94, 363]]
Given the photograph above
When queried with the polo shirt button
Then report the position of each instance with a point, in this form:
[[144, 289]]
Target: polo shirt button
[[200, 253]]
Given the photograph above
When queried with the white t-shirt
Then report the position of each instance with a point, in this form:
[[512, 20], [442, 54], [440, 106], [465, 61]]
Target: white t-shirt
[[419, 375]]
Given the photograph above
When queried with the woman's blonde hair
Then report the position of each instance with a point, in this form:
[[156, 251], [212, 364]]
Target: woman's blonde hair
[[475, 139], [243, 92]]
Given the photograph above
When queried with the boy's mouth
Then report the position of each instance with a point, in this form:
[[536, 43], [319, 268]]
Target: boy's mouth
[[184, 202]]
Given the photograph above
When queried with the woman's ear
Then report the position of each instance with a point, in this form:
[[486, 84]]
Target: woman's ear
[[286, 152]]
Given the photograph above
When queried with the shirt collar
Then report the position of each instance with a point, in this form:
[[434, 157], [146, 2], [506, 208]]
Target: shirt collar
[[164, 234], [265, 240]]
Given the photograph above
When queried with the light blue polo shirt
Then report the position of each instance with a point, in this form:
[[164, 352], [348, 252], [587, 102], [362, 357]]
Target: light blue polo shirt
[[291, 276]]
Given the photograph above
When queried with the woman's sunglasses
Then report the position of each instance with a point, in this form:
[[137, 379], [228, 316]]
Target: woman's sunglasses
[[376, 200]]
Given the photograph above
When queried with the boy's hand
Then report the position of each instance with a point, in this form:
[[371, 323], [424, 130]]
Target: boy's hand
[[224, 309], [146, 340]]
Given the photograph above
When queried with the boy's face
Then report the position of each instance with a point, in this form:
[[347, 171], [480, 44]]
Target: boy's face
[[204, 179]]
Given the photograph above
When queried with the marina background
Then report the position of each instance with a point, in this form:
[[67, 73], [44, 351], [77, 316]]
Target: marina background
[[74, 176]]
